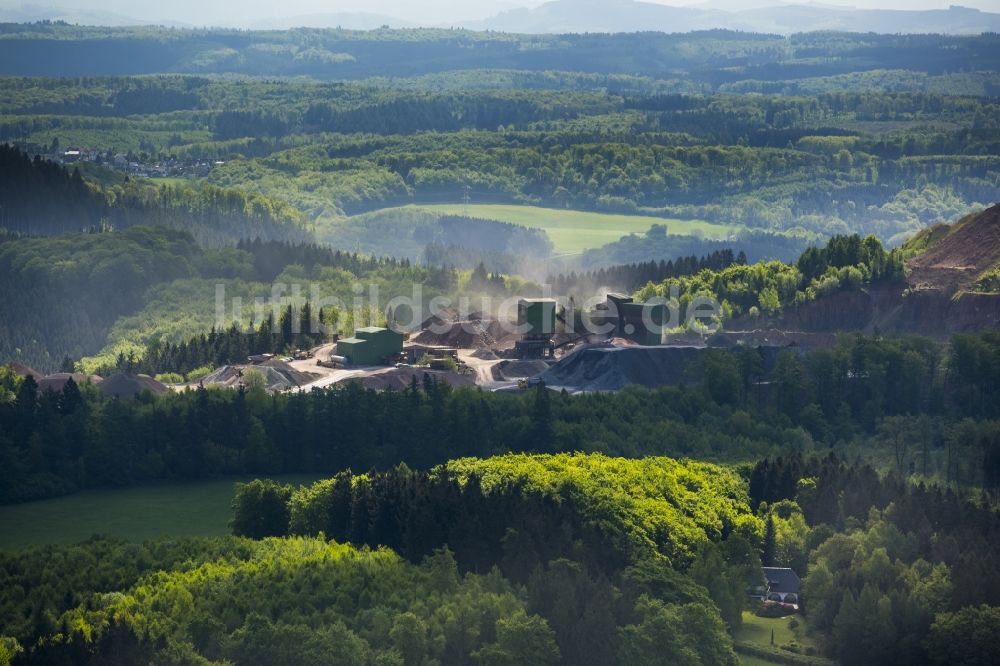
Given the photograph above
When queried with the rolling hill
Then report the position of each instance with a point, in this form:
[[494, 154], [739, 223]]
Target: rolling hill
[[599, 16]]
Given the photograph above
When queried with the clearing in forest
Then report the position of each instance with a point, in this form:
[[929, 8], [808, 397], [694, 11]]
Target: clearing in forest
[[573, 231]]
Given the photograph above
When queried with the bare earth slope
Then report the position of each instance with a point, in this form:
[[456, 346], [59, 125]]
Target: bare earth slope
[[937, 298], [954, 262]]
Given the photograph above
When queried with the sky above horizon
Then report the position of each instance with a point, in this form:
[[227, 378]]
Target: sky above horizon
[[248, 13]]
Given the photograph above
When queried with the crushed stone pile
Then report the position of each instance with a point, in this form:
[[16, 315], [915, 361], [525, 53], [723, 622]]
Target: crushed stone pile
[[23, 370], [465, 334], [55, 382], [613, 368], [126, 386], [278, 375], [512, 371]]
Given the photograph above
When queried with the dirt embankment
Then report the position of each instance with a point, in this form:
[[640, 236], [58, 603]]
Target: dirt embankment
[[937, 313], [955, 260], [890, 309], [841, 311]]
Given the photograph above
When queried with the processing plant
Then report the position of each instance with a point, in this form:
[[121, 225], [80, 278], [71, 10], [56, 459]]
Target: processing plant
[[538, 316], [370, 346]]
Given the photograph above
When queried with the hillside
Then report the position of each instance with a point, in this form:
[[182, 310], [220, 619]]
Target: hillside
[[562, 16], [74, 294], [950, 286], [709, 57], [43, 197], [597, 344], [953, 257]]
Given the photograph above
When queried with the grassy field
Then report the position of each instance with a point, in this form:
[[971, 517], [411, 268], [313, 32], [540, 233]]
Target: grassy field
[[573, 231], [175, 509], [758, 630]]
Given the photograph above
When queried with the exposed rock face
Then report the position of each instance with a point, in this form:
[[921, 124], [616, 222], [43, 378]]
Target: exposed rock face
[[932, 312], [932, 301], [955, 261], [937, 313], [842, 311]]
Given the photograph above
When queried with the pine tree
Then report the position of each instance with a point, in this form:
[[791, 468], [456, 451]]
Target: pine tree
[[770, 545]]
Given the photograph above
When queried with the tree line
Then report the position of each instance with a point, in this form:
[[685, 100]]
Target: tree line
[[629, 277], [765, 288], [707, 59], [888, 396]]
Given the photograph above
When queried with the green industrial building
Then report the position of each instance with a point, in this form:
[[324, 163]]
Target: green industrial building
[[538, 314], [538, 317], [370, 346]]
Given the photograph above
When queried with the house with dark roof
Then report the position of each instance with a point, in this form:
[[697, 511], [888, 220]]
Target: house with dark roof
[[783, 585]]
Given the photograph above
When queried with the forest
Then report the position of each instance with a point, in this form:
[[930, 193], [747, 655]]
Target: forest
[[107, 293], [912, 405], [805, 166], [709, 58], [155, 182], [550, 559], [42, 197], [845, 262]]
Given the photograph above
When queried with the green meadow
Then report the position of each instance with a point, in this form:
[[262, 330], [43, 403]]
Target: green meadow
[[171, 509], [759, 630], [574, 231]]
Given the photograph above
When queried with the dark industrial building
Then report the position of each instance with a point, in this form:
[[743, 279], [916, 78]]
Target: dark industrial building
[[641, 323], [371, 346]]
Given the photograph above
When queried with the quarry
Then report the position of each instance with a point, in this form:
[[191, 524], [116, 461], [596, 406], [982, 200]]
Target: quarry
[[623, 343]]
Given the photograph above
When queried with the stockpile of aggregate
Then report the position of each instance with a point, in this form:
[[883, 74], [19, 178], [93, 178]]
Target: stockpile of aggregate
[[613, 368], [56, 381], [520, 369], [126, 386], [278, 376], [465, 334]]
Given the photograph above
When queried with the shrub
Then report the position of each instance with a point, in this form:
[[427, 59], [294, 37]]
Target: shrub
[[170, 378], [198, 373]]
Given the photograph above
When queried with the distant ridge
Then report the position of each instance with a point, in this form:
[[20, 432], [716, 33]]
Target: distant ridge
[[30, 13], [345, 20], [580, 16]]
